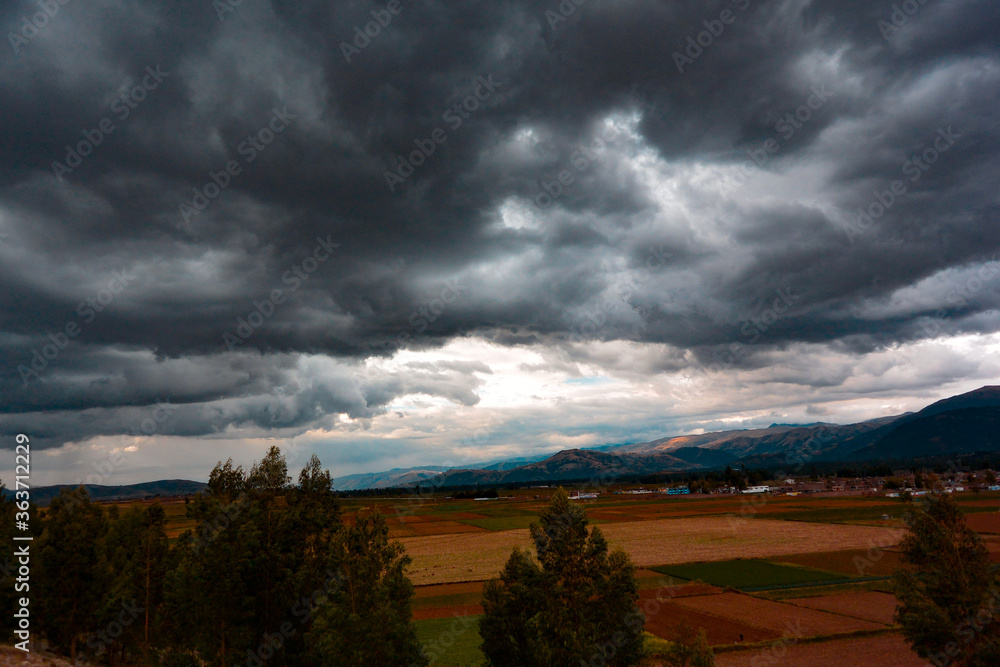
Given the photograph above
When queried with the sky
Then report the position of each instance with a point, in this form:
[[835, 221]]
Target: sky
[[416, 232]]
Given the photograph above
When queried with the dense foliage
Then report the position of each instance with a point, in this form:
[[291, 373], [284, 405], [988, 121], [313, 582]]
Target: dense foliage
[[576, 602], [949, 597], [269, 574]]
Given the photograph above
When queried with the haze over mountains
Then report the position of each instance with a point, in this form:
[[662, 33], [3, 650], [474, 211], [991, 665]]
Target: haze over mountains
[[963, 424]]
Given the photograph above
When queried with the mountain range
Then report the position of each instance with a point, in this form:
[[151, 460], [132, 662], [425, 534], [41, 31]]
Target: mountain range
[[964, 424]]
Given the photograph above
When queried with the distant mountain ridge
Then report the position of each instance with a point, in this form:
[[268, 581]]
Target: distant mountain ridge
[[964, 424], [164, 488]]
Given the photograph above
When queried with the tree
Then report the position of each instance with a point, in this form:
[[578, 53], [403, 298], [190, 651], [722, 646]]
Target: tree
[[689, 649], [138, 554], [72, 574], [366, 618], [226, 482], [949, 596], [576, 603], [314, 520], [210, 602]]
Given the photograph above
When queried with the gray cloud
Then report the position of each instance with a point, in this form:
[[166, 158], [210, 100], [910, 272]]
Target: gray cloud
[[656, 158]]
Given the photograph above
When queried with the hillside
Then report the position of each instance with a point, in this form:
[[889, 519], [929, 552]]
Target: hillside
[[962, 424], [388, 479], [164, 488], [570, 464]]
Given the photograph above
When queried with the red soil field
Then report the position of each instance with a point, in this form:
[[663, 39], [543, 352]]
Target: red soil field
[[448, 589], [447, 612], [775, 616], [867, 605], [985, 522], [443, 528], [864, 562], [665, 594], [890, 650], [663, 623], [458, 516], [642, 573], [986, 502]]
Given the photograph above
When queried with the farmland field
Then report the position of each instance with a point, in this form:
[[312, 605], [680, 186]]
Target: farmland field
[[853, 562], [883, 649], [871, 606], [824, 562], [748, 573], [777, 617], [814, 571], [477, 556]]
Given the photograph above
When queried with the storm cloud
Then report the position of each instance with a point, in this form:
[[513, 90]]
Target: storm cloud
[[278, 216]]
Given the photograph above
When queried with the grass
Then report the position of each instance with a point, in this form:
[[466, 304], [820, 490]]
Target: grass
[[841, 514], [451, 642], [895, 510], [882, 586], [753, 573], [654, 645]]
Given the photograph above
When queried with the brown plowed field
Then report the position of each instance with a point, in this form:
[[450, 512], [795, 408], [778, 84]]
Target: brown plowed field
[[888, 649], [667, 593], [867, 605], [663, 623], [984, 522], [448, 589], [444, 528], [478, 556], [869, 563], [447, 612], [775, 616]]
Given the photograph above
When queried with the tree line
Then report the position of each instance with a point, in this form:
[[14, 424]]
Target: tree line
[[268, 573]]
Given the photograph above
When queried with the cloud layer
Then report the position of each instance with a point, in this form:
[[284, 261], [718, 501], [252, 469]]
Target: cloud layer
[[289, 228]]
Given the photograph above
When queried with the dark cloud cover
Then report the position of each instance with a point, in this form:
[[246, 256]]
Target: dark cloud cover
[[468, 245]]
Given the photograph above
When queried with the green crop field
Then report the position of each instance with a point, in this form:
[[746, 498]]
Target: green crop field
[[748, 573], [451, 642]]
